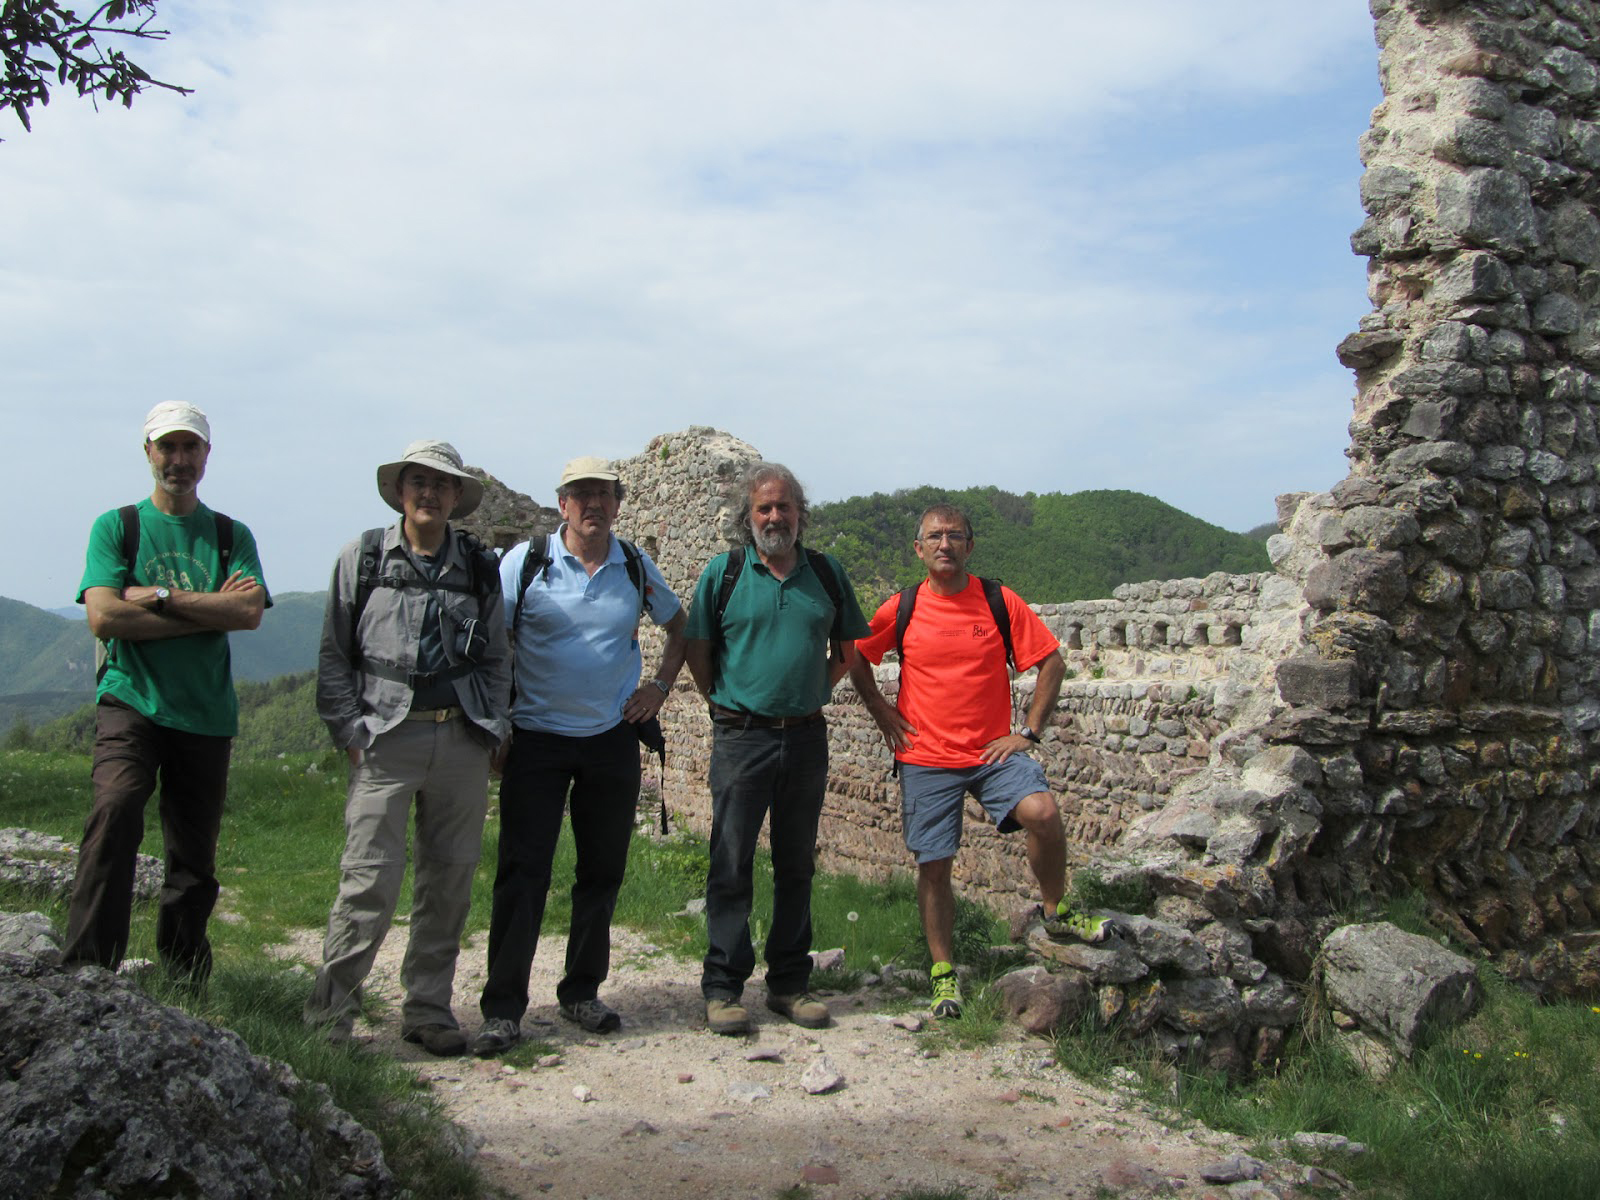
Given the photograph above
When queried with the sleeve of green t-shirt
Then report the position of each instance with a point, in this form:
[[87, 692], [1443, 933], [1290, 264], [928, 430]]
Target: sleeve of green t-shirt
[[103, 564], [246, 559], [853, 623], [702, 609]]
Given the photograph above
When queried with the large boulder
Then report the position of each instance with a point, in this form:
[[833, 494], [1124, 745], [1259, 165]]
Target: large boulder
[[1398, 985], [106, 1093]]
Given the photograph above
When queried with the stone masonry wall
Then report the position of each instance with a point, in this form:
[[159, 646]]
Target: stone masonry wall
[[1412, 700]]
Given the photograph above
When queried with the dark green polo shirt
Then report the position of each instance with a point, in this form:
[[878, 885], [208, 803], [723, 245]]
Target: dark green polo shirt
[[773, 658]]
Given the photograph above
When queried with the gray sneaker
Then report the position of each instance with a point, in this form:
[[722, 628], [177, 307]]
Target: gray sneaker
[[594, 1015], [442, 1041], [497, 1036]]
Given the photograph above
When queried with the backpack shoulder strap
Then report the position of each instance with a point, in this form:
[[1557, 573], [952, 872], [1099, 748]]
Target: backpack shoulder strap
[[130, 534], [730, 579], [366, 579], [830, 584], [536, 561], [483, 568], [224, 541], [905, 601], [1002, 616], [632, 557]]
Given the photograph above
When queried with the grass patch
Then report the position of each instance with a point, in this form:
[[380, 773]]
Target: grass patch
[[1505, 1106], [1091, 891]]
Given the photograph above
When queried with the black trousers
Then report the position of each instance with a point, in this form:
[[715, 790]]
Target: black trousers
[[602, 775]]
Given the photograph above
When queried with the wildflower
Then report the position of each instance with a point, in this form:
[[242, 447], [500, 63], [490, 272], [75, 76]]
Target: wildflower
[[855, 916]]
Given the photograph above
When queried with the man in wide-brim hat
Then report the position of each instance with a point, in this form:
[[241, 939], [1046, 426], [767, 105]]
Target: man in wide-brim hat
[[413, 682]]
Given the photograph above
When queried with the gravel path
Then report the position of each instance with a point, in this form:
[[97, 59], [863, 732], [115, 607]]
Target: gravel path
[[665, 1109]]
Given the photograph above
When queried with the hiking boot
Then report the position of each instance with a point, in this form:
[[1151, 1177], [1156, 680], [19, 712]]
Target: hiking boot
[[727, 1016], [442, 1041], [804, 1009], [1070, 922], [594, 1015], [946, 1000], [497, 1035]]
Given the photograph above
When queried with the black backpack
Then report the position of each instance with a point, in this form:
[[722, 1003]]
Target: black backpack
[[129, 515], [483, 581], [819, 564], [538, 563], [907, 600]]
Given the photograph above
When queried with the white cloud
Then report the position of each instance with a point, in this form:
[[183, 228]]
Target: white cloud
[[893, 243]]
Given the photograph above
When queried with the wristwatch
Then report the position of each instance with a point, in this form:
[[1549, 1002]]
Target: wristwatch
[[1027, 732], [162, 596], [666, 688]]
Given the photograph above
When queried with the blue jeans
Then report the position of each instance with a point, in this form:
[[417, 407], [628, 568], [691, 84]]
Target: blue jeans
[[755, 772]]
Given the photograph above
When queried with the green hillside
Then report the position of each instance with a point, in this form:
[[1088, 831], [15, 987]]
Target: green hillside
[[1049, 548], [47, 661], [41, 652]]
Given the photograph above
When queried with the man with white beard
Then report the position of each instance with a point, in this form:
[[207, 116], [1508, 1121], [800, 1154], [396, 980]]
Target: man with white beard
[[770, 632]]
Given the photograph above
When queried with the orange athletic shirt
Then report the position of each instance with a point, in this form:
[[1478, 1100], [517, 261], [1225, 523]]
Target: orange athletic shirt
[[954, 688]]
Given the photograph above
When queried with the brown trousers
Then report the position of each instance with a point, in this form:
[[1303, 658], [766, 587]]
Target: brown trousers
[[130, 753]]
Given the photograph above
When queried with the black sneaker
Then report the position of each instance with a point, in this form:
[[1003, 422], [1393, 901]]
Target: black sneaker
[[594, 1015], [497, 1036]]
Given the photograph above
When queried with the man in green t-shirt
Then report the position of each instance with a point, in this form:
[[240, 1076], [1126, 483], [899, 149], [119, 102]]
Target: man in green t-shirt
[[164, 582], [771, 630]]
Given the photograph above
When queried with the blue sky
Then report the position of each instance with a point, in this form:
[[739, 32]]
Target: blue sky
[[1038, 244]]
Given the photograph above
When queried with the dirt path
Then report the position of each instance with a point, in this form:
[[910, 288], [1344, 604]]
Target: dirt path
[[665, 1109]]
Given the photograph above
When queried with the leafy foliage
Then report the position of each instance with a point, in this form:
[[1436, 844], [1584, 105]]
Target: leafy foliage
[[46, 45], [1048, 548]]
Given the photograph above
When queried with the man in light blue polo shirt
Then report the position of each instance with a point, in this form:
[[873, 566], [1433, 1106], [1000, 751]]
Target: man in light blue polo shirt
[[573, 610]]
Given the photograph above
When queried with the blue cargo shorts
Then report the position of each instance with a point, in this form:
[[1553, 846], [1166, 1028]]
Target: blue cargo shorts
[[931, 801]]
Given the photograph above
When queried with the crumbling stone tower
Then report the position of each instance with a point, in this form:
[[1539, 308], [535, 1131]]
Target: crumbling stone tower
[[1448, 685]]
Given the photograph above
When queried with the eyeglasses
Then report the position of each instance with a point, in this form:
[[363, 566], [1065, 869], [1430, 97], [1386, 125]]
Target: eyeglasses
[[438, 485], [583, 495], [954, 536]]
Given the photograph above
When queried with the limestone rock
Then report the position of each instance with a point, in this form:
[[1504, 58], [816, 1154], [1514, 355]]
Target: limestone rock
[[29, 935], [1399, 985], [108, 1093], [820, 1076], [40, 862]]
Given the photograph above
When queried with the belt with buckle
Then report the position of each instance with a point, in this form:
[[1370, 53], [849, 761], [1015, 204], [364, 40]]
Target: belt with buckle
[[743, 720], [437, 715]]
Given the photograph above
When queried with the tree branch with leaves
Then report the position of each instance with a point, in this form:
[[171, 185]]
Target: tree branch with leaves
[[45, 45]]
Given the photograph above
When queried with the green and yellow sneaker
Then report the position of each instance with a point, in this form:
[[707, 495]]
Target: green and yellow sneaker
[[1072, 923], [946, 1000]]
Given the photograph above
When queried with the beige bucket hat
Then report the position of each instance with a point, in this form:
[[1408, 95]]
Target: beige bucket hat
[[440, 456]]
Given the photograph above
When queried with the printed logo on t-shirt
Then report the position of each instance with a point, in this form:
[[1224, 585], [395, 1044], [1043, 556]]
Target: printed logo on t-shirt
[[979, 631], [176, 570]]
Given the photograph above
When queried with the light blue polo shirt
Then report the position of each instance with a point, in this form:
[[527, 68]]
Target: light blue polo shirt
[[577, 642]]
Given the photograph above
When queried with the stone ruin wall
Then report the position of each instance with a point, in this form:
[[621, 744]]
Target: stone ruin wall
[[1446, 689], [1411, 701]]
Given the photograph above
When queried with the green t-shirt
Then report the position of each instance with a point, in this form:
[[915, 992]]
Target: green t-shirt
[[182, 682], [773, 660]]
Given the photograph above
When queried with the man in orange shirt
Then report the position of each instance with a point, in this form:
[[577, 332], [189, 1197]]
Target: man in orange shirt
[[950, 731]]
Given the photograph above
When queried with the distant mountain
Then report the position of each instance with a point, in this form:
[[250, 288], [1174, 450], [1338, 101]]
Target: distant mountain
[[47, 661], [72, 612], [1049, 548], [41, 652]]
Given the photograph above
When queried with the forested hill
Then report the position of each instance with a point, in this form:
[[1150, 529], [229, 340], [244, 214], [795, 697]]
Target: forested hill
[[1049, 548]]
